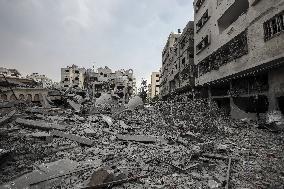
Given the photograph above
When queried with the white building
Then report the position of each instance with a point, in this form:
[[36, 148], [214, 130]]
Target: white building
[[73, 76]]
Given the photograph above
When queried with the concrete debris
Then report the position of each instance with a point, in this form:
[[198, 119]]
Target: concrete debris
[[42, 173], [140, 138], [74, 105], [7, 117], [39, 124], [173, 144], [79, 139], [134, 103], [108, 120]]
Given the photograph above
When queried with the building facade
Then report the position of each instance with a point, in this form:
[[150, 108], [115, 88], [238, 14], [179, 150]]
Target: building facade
[[155, 84], [73, 76], [177, 73], [239, 49], [120, 83]]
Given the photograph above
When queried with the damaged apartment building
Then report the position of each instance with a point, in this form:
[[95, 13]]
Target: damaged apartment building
[[120, 84], [73, 77], [239, 46], [177, 73]]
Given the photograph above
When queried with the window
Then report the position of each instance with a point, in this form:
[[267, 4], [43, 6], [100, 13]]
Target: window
[[205, 17], [105, 75], [101, 73], [273, 26], [66, 79], [183, 61], [157, 80], [66, 70], [237, 9], [198, 5], [66, 85], [76, 71], [202, 45], [157, 75], [76, 78]]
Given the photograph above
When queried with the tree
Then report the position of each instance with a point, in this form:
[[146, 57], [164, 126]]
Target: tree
[[143, 90]]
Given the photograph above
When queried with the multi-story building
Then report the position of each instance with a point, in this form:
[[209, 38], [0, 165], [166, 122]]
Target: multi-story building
[[42, 80], [177, 73], [239, 54], [121, 83], [155, 84], [73, 76]]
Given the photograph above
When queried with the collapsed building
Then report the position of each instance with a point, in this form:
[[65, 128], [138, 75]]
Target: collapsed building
[[177, 73], [43, 81], [14, 87], [120, 84], [239, 48]]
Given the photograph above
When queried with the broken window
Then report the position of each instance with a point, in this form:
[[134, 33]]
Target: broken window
[[273, 26], [232, 14], [198, 5], [205, 17], [203, 44], [232, 50]]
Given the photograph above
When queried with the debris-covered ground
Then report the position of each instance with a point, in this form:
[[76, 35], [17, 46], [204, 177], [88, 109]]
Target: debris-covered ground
[[167, 145]]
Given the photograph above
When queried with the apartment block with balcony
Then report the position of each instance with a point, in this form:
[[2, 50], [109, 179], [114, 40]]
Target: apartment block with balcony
[[177, 73], [155, 84], [239, 54], [73, 76]]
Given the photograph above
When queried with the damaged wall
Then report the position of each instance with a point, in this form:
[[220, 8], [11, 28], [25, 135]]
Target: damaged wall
[[260, 51]]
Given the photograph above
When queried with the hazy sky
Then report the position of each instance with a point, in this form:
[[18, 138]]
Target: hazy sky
[[44, 35]]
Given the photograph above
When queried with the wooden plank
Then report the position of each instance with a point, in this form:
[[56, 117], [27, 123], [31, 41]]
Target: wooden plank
[[7, 117], [79, 139], [39, 124]]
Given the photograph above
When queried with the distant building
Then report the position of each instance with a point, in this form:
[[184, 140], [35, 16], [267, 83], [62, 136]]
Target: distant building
[[73, 76], [239, 54], [42, 80], [149, 91], [177, 73], [120, 83], [155, 84], [14, 87], [9, 72]]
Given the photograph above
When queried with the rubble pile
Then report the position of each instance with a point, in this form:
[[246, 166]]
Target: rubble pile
[[169, 145]]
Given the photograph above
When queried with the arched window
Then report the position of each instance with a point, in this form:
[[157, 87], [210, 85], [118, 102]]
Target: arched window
[[21, 97]]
